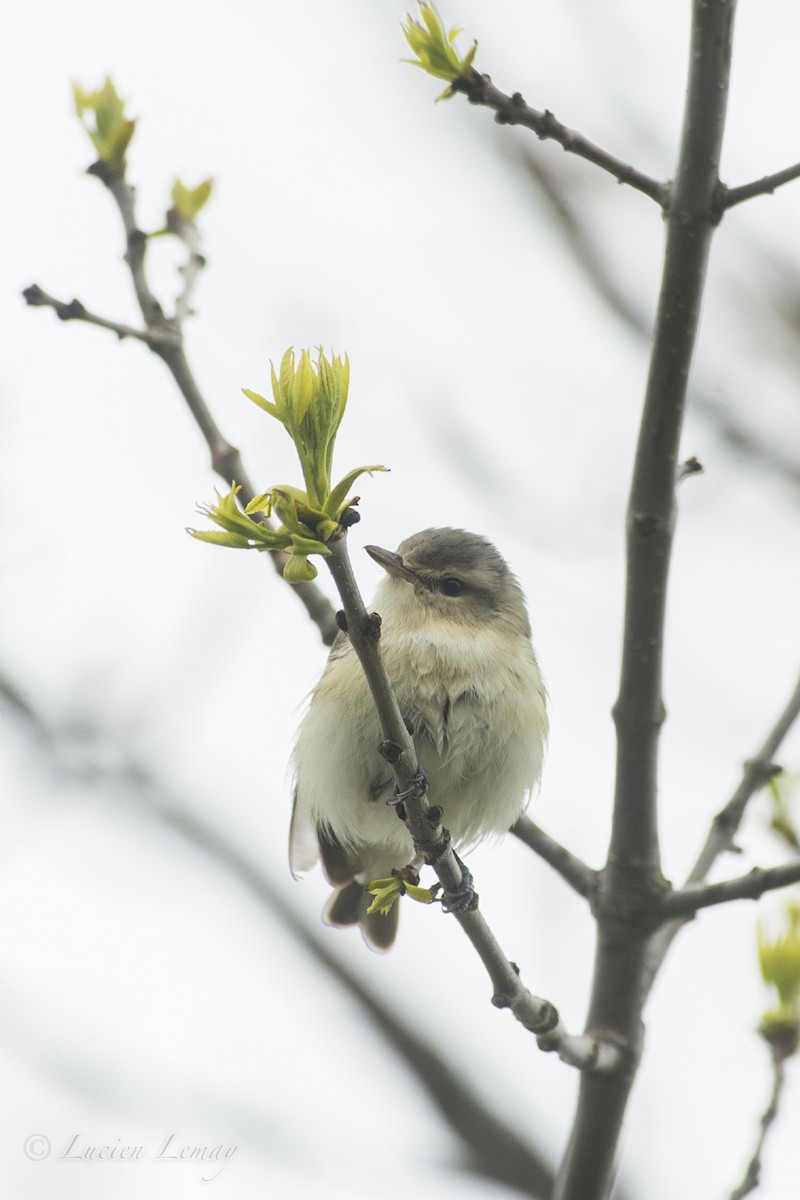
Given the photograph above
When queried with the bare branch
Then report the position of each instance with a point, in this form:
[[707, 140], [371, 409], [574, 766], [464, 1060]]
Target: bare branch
[[752, 1176], [164, 336], [632, 876], [724, 827], [752, 886], [188, 233], [512, 110], [582, 878], [73, 310], [432, 840], [757, 771], [780, 459], [492, 1147], [760, 187]]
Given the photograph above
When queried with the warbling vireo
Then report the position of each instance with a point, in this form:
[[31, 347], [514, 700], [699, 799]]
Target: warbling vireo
[[456, 641]]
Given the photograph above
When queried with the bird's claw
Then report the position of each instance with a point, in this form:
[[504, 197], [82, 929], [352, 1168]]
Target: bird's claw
[[464, 898], [417, 787]]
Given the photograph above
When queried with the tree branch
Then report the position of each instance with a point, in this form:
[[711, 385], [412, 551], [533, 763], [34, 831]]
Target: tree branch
[[512, 110], [74, 310], [752, 1176], [492, 1148], [631, 880], [432, 840], [572, 869], [781, 460], [760, 187], [188, 233], [685, 902], [757, 771], [164, 336]]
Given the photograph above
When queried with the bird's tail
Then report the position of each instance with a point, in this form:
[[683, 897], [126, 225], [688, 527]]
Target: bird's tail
[[348, 906]]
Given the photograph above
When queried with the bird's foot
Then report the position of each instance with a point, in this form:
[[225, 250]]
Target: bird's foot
[[464, 898], [417, 787]]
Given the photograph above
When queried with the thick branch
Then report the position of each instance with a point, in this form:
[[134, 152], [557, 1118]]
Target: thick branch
[[632, 874], [686, 901], [760, 187], [512, 110], [433, 841], [572, 869]]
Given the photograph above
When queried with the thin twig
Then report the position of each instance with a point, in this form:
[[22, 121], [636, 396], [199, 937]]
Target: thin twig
[[760, 187], [512, 110], [757, 771], [780, 460], [432, 840], [164, 336], [752, 1175], [684, 902], [74, 310], [582, 878], [189, 234]]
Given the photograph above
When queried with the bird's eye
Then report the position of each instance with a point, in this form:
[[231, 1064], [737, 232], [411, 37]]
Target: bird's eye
[[452, 586]]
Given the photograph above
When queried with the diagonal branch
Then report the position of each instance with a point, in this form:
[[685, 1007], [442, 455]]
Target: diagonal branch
[[512, 110], [685, 902], [752, 1176], [432, 840], [760, 187], [782, 460], [582, 878], [74, 310], [164, 336], [491, 1147], [757, 771]]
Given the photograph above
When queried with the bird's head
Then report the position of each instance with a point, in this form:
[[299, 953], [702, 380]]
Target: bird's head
[[451, 576]]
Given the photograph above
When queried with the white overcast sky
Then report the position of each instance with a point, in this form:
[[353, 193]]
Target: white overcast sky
[[143, 991]]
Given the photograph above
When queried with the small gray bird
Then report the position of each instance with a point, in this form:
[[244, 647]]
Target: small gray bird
[[456, 641]]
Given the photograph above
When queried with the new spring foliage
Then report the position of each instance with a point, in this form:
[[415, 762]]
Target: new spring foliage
[[309, 398]]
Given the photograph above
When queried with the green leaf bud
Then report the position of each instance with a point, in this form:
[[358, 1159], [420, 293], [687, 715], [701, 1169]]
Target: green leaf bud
[[102, 114], [187, 202], [435, 50], [299, 570], [779, 960]]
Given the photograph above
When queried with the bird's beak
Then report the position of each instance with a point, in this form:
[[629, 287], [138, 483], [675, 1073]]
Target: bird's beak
[[392, 563]]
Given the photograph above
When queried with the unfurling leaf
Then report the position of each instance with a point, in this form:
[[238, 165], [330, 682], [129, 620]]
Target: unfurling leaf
[[387, 891], [187, 202], [110, 130], [435, 50], [310, 398], [779, 959], [299, 570]]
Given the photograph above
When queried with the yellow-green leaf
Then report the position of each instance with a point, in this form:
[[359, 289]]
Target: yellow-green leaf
[[262, 403], [299, 570], [187, 202], [337, 501]]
